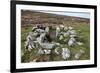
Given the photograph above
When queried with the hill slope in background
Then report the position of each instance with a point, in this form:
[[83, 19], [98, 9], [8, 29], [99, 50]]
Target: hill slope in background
[[31, 18]]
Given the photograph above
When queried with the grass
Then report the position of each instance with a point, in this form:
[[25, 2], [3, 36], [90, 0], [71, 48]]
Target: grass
[[84, 36]]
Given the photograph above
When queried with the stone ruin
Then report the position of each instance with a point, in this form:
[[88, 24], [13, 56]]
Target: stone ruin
[[42, 39]]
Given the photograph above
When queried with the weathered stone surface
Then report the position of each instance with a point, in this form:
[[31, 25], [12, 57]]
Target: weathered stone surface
[[65, 53]]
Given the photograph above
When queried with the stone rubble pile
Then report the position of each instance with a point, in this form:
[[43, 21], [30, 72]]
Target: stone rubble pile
[[39, 38]]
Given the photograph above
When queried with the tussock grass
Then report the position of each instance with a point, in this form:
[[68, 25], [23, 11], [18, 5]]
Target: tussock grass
[[83, 30]]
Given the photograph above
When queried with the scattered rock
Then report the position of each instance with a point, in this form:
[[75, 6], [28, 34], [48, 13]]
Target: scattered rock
[[71, 42], [78, 55], [65, 53]]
